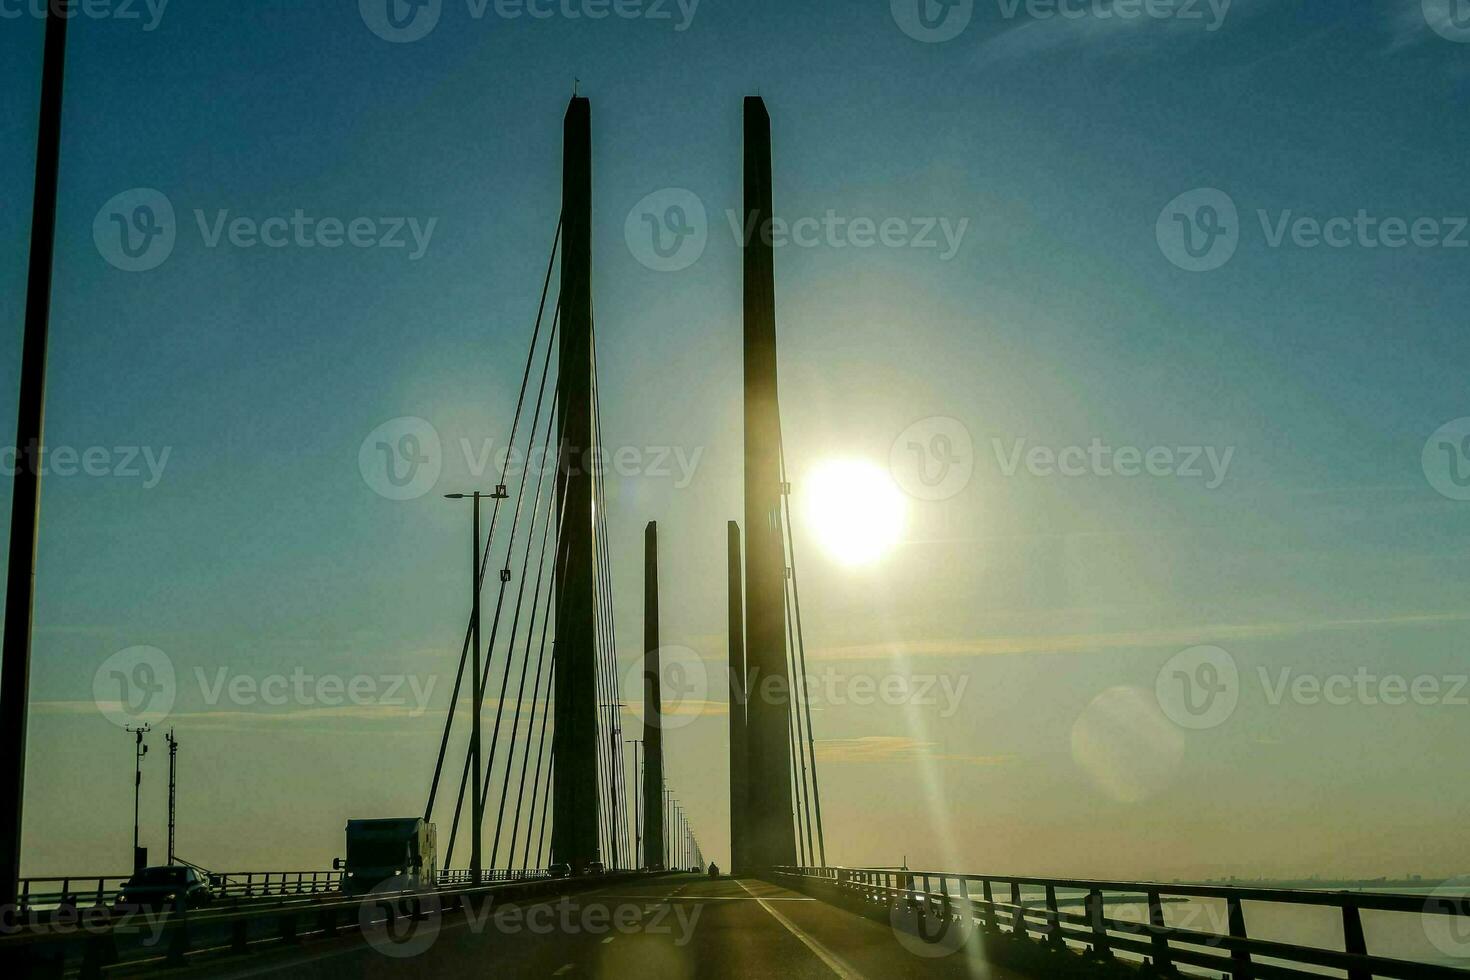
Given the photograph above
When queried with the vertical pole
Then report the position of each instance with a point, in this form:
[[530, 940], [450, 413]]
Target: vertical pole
[[139, 750], [25, 505], [1240, 958], [637, 803], [477, 686], [771, 832], [575, 803], [1163, 961], [653, 740], [173, 780], [738, 695]]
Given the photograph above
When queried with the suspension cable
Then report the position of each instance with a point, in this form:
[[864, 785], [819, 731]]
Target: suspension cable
[[514, 630], [505, 577], [495, 513], [801, 651]]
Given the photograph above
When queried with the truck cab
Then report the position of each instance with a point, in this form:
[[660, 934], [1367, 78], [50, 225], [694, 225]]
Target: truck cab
[[400, 849]]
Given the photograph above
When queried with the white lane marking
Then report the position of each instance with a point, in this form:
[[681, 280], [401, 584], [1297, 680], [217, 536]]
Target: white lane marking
[[607, 940], [833, 962], [713, 898], [564, 970]]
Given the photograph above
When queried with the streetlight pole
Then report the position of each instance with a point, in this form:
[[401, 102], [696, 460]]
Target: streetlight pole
[[173, 778], [476, 687], [25, 501], [637, 744], [139, 750]]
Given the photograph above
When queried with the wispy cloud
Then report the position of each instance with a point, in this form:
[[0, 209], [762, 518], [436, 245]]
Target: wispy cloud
[[1097, 27], [1123, 640], [895, 748]]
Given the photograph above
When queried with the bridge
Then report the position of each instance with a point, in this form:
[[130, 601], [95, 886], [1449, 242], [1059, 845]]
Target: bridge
[[579, 877]]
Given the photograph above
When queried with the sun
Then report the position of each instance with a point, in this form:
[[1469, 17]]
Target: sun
[[855, 510]]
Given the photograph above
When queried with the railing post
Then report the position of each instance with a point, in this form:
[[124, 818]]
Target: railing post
[[25, 895], [1353, 942], [1241, 958], [988, 919], [1053, 921], [101, 953], [288, 928], [101, 891], [1018, 922], [178, 939], [1163, 961], [1100, 945]]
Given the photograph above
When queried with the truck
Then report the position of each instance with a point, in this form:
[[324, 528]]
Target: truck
[[402, 849]]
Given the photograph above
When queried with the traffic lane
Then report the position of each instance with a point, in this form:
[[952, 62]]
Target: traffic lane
[[731, 936], [868, 948], [670, 927], [454, 944]]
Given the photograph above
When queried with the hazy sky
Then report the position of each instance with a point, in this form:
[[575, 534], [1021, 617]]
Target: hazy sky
[[1300, 515]]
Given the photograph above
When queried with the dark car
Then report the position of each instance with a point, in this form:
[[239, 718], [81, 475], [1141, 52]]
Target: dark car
[[597, 868], [559, 871], [165, 887]]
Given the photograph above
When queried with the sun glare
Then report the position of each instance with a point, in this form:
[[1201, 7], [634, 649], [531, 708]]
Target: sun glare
[[855, 510]]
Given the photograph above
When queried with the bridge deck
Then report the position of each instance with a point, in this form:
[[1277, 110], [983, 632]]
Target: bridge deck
[[674, 926]]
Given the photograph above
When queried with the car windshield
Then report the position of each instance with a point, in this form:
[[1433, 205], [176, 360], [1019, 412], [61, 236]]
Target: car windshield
[[376, 854], [158, 876]]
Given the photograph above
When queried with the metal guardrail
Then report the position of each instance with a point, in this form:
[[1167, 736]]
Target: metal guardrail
[[1001, 906], [178, 934], [101, 890], [80, 891], [450, 878]]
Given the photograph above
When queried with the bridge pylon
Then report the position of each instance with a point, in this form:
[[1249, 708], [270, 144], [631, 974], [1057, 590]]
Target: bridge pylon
[[575, 797], [770, 829]]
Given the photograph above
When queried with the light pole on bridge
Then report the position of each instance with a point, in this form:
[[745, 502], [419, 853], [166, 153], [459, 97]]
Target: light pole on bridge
[[637, 744], [139, 750]]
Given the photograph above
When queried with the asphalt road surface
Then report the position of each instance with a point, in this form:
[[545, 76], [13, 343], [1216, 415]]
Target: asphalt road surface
[[673, 926]]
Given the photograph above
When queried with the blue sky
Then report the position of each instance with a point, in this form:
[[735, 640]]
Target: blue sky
[[1059, 319]]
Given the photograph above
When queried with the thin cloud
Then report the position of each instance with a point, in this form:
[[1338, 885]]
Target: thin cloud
[[1123, 640], [895, 748]]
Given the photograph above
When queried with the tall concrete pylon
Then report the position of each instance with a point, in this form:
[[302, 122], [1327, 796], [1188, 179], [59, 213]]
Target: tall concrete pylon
[[770, 833], [574, 834], [653, 737]]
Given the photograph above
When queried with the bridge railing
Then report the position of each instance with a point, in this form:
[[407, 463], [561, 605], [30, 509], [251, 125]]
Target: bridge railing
[[448, 879], [92, 945], [1039, 908], [82, 891]]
